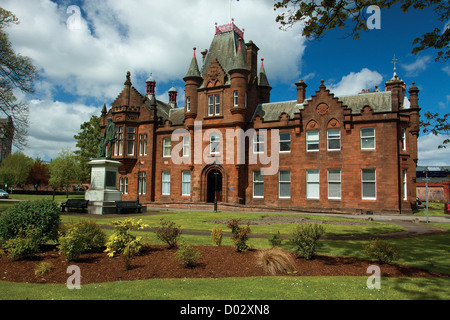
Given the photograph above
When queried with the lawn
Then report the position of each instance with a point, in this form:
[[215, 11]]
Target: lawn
[[429, 252]]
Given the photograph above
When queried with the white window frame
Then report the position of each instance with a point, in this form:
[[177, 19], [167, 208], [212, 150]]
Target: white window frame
[[368, 181], [165, 180], [280, 182], [311, 141], [334, 182], [257, 142], [404, 139], [188, 104], [333, 138], [125, 189], [217, 104], [235, 98], [121, 184], [185, 182], [368, 137], [210, 105], [186, 145], [310, 183], [142, 187], [284, 141], [131, 139], [215, 150], [118, 145], [405, 185], [167, 145], [254, 182]]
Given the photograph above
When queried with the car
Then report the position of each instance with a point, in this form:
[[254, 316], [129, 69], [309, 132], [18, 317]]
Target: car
[[4, 194]]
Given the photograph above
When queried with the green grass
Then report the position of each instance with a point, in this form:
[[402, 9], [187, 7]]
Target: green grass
[[255, 288], [434, 209]]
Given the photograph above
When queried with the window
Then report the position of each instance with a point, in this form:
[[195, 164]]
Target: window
[[312, 184], [284, 184], [258, 184], [118, 151], [367, 138], [166, 183], [214, 144], [258, 143], [213, 105], [143, 144], [334, 139], [125, 186], [403, 139], [186, 183], [186, 146], [405, 186], [312, 140], [121, 184], [334, 184], [369, 184], [285, 142], [130, 141], [142, 182], [167, 147], [210, 105], [235, 98], [217, 104], [188, 104]]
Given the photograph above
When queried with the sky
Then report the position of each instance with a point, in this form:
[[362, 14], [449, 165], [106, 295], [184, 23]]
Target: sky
[[83, 50]]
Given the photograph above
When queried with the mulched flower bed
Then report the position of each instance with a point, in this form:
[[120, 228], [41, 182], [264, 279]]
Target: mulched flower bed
[[159, 262]]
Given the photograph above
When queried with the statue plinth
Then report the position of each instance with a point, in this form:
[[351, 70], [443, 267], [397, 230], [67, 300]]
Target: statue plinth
[[103, 191]]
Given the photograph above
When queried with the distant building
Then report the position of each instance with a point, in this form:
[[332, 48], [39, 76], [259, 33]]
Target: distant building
[[438, 183], [352, 153], [6, 137]]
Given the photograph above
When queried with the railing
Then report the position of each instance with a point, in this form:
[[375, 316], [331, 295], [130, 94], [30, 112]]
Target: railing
[[229, 27]]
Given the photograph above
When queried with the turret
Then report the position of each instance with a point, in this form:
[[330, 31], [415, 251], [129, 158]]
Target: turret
[[263, 83], [192, 80]]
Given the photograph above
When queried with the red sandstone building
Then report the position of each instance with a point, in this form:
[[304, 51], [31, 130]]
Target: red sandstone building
[[335, 154]]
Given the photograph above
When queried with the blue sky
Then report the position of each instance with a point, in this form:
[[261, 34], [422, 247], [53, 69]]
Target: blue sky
[[83, 68]]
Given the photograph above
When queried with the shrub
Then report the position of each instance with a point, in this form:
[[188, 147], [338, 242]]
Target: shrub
[[77, 238], [275, 239], [168, 232], [240, 235], [25, 244], [382, 251], [275, 261], [123, 242], [42, 268], [217, 235], [305, 239], [187, 255], [43, 214]]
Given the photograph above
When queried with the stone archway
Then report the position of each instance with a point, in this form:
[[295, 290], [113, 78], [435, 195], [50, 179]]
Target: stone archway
[[208, 182]]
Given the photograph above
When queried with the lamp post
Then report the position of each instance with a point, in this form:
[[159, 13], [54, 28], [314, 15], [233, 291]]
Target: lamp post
[[216, 168]]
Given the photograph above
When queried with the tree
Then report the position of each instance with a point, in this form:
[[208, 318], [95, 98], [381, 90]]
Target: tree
[[87, 144], [64, 170], [39, 174], [321, 16], [16, 73], [14, 169], [437, 125]]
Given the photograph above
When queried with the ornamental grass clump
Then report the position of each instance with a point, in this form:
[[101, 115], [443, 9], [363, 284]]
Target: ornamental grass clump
[[217, 235], [275, 261], [305, 239]]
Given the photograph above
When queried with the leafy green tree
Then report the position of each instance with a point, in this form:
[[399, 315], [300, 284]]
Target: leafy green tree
[[14, 169], [321, 16], [64, 170], [437, 125], [16, 72], [87, 144]]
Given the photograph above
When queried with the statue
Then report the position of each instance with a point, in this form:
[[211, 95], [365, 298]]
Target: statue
[[108, 138]]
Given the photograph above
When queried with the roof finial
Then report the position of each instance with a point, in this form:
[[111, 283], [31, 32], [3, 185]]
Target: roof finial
[[395, 61], [262, 63], [194, 51]]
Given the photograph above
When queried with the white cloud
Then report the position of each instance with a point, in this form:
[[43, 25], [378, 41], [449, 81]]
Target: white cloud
[[353, 83], [415, 67], [428, 152], [114, 37]]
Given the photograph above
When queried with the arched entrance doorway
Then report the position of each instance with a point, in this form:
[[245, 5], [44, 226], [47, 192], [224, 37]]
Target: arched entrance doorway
[[214, 185]]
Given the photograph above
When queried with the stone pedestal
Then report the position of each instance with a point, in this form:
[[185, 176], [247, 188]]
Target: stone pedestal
[[103, 191]]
